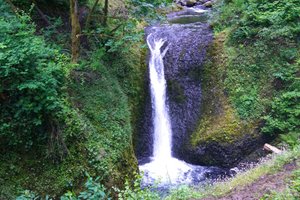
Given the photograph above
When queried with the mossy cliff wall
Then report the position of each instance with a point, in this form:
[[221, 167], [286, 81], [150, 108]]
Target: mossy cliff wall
[[221, 137]]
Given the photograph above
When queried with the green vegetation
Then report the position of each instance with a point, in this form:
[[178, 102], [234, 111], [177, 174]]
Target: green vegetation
[[69, 109], [32, 76], [61, 120], [219, 122], [251, 83], [251, 80], [262, 79]]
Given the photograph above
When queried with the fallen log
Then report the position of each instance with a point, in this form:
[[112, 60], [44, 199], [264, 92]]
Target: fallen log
[[271, 148]]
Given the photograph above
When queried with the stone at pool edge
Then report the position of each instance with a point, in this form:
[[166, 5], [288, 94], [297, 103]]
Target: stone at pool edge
[[188, 3], [208, 4], [191, 3]]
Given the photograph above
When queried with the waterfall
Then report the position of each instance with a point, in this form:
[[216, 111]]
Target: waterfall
[[183, 38], [162, 127], [163, 167]]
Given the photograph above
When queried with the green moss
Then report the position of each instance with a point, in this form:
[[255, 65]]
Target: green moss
[[106, 106], [219, 121]]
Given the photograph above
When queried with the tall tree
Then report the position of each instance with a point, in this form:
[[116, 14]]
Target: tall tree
[[75, 35]]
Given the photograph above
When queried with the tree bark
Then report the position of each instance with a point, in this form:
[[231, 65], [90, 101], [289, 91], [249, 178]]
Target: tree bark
[[75, 30]]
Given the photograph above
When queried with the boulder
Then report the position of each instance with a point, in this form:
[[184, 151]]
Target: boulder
[[190, 3], [208, 4]]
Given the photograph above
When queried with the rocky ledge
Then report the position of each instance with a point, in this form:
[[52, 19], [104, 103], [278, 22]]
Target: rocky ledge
[[191, 3]]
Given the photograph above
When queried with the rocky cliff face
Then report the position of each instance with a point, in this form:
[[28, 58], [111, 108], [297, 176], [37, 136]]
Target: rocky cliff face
[[187, 45], [206, 130], [183, 62]]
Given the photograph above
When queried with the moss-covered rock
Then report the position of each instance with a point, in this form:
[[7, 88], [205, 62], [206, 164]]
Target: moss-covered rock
[[221, 138]]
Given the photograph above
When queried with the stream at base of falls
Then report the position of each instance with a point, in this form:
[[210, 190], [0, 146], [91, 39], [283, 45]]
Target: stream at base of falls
[[163, 167]]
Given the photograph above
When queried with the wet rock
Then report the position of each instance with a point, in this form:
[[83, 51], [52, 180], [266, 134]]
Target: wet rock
[[187, 50], [191, 3], [208, 4], [181, 2], [188, 3], [219, 154], [143, 141]]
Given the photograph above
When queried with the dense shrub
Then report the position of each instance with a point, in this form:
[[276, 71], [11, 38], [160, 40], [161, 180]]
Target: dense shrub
[[32, 75], [260, 19]]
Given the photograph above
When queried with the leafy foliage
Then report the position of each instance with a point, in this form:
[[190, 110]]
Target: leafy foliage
[[292, 139], [285, 113], [261, 19], [32, 75], [133, 191], [94, 191], [262, 80]]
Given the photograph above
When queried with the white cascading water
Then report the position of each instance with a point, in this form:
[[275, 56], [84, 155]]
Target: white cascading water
[[162, 128], [163, 167]]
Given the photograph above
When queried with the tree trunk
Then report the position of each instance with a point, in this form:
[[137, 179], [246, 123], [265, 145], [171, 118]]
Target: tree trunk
[[105, 13], [75, 30]]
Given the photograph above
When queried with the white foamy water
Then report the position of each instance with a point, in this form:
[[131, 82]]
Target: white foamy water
[[163, 167], [197, 10]]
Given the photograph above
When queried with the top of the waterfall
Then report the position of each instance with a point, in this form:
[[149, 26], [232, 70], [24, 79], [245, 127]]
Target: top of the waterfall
[[189, 15], [155, 44]]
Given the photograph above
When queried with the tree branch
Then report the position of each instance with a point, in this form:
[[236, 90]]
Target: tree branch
[[89, 17], [43, 16]]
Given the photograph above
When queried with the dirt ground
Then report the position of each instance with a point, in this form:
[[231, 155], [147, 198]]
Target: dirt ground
[[264, 185]]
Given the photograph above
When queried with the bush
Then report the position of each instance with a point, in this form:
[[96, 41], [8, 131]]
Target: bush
[[260, 19], [94, 191], [284, 115], [32, 76], [134, 191]]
